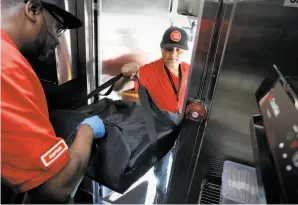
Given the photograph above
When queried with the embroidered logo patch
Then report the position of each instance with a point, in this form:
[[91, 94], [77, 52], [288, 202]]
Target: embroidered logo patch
[[54, 153], [175, 36]]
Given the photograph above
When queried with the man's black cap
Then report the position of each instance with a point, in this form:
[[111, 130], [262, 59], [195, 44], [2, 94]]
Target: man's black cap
[[69, 20], [174, 37]]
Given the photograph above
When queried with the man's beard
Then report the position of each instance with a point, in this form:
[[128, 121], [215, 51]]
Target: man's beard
[[42, 44]]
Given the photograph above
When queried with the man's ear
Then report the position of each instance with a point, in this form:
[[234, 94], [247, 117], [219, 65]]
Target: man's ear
[[32, 10]]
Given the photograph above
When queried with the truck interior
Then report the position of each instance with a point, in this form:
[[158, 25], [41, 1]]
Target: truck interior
[[234, 45]]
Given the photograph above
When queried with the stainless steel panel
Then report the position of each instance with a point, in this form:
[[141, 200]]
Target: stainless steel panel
[[262, 33], [86, 43], [212, 20], [237, 46], [66, 56]]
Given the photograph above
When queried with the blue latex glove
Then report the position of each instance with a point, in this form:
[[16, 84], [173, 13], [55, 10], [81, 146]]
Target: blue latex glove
[[97, 126]]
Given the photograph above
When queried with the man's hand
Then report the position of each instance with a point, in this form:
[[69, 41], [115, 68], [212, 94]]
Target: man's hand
[[97, 126], [130, 70], [61, 187]]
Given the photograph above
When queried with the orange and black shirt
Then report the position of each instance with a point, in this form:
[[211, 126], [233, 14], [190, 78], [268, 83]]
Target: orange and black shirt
[[156, 80], [31, 152]]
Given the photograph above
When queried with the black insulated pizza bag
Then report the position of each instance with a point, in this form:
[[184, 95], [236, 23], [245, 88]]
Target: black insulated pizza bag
[[137, 136]]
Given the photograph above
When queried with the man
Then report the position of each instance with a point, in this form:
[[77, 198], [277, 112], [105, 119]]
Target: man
[[32, 156], [165, 80]]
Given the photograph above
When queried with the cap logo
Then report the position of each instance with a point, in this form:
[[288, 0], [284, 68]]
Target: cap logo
[[175, 36]]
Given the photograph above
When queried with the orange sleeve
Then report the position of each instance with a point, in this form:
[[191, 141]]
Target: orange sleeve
[[31, 152]]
